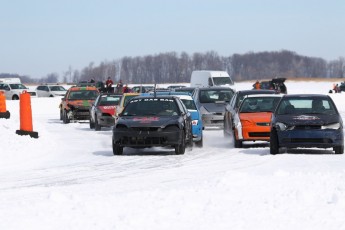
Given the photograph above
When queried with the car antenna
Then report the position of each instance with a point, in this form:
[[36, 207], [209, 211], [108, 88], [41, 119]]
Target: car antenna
[[154, 92]]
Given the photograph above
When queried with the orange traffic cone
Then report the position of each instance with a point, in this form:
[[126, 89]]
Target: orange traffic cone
[[3, 112], [26, 116]]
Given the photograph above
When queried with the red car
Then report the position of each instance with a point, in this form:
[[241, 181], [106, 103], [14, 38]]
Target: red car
[[103, 110]]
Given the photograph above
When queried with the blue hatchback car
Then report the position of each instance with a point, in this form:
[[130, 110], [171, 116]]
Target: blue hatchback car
[[306, 120], [197, 124]]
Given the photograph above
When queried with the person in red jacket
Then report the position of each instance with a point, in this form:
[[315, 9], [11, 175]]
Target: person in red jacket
[[108, 84]]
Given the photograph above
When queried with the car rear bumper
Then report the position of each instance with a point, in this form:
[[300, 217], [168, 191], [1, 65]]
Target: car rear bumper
[[211, 120]]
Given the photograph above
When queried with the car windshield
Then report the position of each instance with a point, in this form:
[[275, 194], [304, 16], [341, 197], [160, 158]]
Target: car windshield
[[151, 107], [259, 104], [110, 100], [189, 103], [128, 98], [214, 95], [57, 88], [312, 105], [18, 86], [83, 95], [221, 81]]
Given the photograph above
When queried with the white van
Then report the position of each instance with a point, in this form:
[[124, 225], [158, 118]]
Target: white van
[[13, 88], [205, 78]]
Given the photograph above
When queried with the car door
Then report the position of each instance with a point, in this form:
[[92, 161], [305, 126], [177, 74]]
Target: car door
[[187, 118]]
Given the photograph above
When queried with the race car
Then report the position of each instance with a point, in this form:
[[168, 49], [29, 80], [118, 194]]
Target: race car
[[252, 119], [103, 110], [76, 103]]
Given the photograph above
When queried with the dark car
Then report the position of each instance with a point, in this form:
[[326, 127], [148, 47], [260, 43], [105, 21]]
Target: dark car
[[211, 102], [231, 108], [185, 89], [306, 121], [103, 110], [153, 121]]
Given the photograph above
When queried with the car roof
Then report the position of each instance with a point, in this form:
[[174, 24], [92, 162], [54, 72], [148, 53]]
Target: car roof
[[214, 88], [305, 96], [77, 88], [256, 91], [263, 95]]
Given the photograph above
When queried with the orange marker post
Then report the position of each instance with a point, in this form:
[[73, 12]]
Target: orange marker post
[[26, 116], [3, 112]]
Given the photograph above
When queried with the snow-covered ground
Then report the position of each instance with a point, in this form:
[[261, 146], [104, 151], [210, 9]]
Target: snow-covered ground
[[68, 178]]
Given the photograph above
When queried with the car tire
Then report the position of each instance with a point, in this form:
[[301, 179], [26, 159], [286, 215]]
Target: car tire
[[117, 149], [92, 124], [200, 143], [61, 114], [274, 142], [339, 149], [15, 97], [237, 143], [65, 117], [97, 126], [180, 148]]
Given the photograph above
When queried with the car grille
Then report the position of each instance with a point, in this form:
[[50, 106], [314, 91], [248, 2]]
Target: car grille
[[145, 129], [307, 140], [144, 141], [263, 124], [307, 127], [259, 134]]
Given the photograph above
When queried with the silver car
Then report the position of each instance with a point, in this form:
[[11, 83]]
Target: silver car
[[50, 90], [211, 102]]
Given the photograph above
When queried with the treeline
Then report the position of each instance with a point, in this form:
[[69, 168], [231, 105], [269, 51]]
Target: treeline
[[172, 67]]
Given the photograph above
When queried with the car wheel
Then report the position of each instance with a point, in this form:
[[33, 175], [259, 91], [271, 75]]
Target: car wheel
[[200, 143], [92, 124], [180, 148], [339, 149], [274, 143], [97, 126], [15, 97], [65, 117], [117, 149], [190, 139], [61, 114], [237, 143]]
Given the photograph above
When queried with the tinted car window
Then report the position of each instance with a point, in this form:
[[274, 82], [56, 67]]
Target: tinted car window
[[83, 95], [306, 106], [211, 96], [151, 106], [110, 100], [266, 104], [190, 105]]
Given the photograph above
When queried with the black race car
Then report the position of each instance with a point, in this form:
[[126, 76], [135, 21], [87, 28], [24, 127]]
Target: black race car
[[306, 121], [153, 121]]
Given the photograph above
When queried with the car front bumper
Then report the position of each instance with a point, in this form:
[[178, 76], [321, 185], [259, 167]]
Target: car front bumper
[[311, 138], [212, 120]]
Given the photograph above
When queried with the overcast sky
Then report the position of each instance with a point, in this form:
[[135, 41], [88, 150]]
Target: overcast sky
[[39, 37]]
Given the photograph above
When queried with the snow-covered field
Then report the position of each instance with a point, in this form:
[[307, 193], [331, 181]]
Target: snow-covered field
[[68, 178]]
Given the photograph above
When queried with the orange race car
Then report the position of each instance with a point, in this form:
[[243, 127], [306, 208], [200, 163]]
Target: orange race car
[[76, 103], [252, 119]]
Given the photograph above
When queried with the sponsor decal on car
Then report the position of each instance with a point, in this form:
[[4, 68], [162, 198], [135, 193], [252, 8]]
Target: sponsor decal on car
[[306, 118], [146, 119]]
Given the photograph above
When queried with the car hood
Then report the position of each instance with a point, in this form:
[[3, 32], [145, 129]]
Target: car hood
[[147, 121], [257, 117], [308, 119], [86, 103], [214, 107]]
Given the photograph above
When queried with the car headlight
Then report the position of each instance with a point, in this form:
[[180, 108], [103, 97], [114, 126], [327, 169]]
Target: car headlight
[[331, 126], [247, 122], [281, 126], [195, 122]]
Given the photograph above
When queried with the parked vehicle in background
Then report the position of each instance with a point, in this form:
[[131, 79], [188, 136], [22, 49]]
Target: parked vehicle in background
[[172, 87], [189, 90], [252, 119], [232, 107], [306, 121], [126, 97], [153, 121], [211, 102], [142, 89], [76, 103], [50, 90], [276, 84], [13, 88], [206, 78], [102, 111]]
